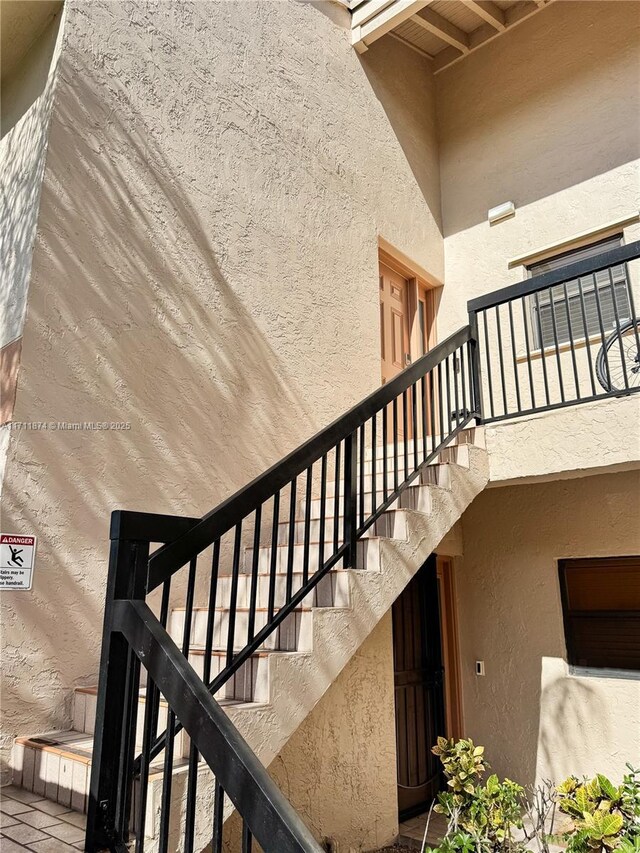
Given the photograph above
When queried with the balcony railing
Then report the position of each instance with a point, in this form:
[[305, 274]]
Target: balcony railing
[[565, 337], [556, 340]]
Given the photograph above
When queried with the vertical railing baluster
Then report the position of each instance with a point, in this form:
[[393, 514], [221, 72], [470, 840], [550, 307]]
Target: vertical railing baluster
[[167, 773], [487, 356], [424, 416], [218, 817], [336, 500], [532, 392], [350, 499], [414, 426], [432, 410], [514, 356], [255, 560], [362, 475], [151, 710], [211, 614], [463, 384], [554, 327], [246, 838], [192, 773], [455, 363], [571, 340], [395, 443], [475, 379], [440, 402], [374, 463], [616, 314], [603, 338], [587, 337], [233, 601], [323, 510], [273, 557], [291, 539], [385, 454], [447, 373], [405, 434], [501, 361], [543, 356], [307, 526], [632, 309]]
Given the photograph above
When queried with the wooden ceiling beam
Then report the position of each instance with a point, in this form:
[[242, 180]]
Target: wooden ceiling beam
[[389, 16], [488, 11], [513, 16], [442, 28]]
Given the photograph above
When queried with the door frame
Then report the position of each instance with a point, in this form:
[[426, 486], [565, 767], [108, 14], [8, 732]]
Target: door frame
[[420, 284], [450, 647]]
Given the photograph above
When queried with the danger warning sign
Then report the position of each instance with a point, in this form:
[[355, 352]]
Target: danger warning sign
[[17, 558]]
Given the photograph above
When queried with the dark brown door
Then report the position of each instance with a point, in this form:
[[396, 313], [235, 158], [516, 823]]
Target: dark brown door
[[420, 719]]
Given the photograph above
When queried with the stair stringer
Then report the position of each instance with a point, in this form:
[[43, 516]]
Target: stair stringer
[[298, 680]]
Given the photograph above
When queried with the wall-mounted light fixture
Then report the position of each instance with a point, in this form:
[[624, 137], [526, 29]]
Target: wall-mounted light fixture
[[502, 211]]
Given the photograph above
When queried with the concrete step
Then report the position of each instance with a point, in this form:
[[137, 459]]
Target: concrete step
[[471, 435], [458, 454], [331, 591], [453, 453], [436, 475], [392, 525], [293, 634]]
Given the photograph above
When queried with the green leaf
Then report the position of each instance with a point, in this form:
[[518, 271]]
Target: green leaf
[[607, 787]]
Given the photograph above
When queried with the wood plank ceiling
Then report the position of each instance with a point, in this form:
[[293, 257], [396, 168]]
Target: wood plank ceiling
[[443, 30]]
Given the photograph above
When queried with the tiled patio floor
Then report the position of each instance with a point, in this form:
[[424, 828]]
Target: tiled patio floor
[[28, 822], [412, 831]]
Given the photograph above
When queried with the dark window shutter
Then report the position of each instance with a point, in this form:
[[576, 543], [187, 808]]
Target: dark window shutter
[[601, 605]]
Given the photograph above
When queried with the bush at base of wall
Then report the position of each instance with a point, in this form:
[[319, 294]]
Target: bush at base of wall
[[496, 816]]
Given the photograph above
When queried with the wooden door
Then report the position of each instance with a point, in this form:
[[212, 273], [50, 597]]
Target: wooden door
[[394, 322], [419, 693], [395, 336]]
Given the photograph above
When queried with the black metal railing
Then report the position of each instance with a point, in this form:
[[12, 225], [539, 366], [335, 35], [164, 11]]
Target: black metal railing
[[261, 559], [258, 560], [565, 337]]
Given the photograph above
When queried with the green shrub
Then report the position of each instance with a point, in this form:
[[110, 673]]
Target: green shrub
[[604, 817], [482, 816]]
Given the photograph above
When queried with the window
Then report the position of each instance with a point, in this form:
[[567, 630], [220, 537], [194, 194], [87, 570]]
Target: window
[[580, 300], [601, 605]]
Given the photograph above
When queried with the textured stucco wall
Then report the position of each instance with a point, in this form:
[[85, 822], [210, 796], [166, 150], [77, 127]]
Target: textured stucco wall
[[339, 768], [27, 96], [534, 718], [600, 436], [205, 270], [546, 117]]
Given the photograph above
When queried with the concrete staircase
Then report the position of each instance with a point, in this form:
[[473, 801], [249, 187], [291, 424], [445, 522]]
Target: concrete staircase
[[272, 693]]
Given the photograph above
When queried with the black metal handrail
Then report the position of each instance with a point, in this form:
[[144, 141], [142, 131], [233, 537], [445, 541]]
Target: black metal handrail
[[214, 524], [567, 336], [262, 554], [352, 472]]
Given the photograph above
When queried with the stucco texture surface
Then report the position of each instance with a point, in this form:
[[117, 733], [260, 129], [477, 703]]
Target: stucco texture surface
[[534, 718], [205, 270], [339, 768], [547, 117]]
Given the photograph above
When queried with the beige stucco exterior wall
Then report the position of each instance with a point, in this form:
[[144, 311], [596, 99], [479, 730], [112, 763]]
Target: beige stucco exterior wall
[[546, 117], [535, 719], [339, 768], [205, 270]]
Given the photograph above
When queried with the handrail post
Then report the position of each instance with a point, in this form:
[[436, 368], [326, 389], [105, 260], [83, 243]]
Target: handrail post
[[117, 702], [474, 353], [350, 500]]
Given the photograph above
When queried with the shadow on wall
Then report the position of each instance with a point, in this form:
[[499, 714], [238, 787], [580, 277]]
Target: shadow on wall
[[548, 107], [411, 114], [130, 320], [573, 715]]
